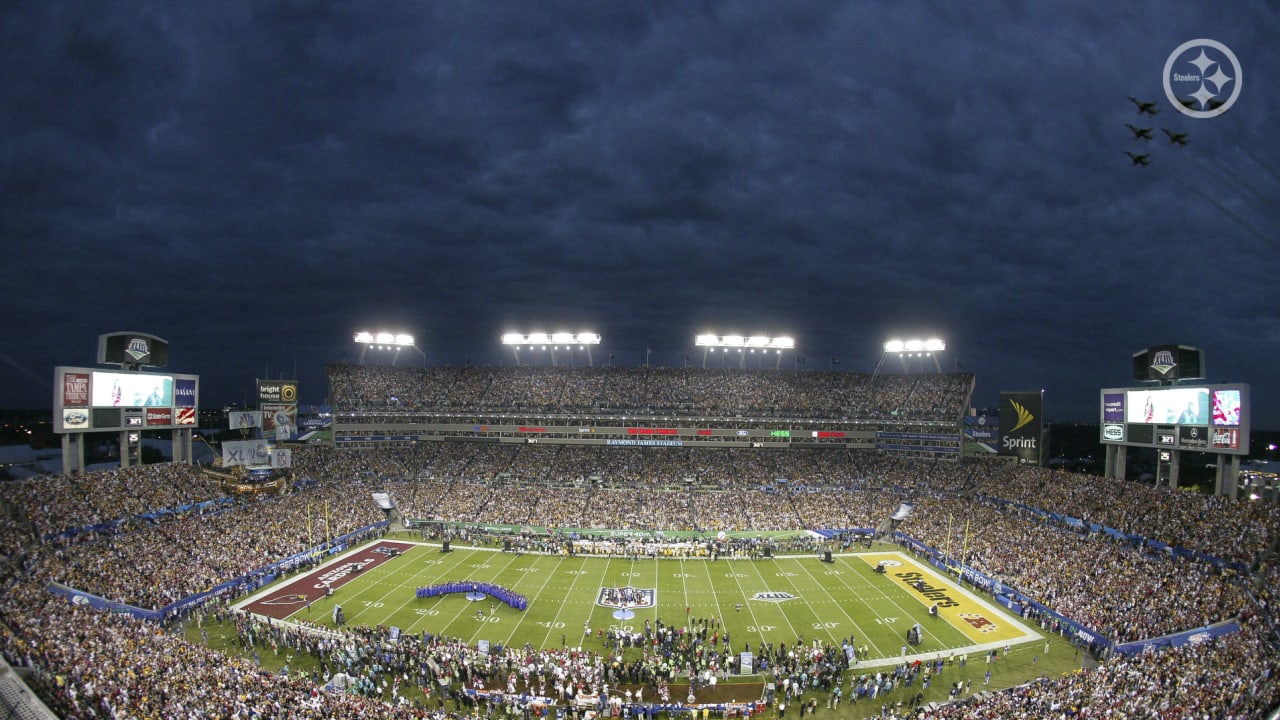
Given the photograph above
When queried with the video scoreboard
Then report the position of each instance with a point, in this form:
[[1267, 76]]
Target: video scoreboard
[[1197, 418], [93, 400]]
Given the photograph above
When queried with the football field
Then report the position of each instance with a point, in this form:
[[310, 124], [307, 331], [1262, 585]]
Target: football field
[[573, 600]]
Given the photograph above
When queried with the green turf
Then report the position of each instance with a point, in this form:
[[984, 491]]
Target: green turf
[[844, 599]]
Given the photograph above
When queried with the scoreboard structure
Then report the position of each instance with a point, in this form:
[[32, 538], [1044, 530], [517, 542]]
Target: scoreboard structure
[[126, 401], [1173, 419]]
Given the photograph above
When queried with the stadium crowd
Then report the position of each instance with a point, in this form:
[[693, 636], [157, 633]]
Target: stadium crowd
[[55, 503], [1193, 681], [1125, 593], [685, 391], [1215, 525], [150, 562], [159, 564]]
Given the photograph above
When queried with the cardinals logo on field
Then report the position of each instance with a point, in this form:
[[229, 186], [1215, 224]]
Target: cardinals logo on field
[[286, 600]]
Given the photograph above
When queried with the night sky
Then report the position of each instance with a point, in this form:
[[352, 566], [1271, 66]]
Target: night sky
[[255, 181]]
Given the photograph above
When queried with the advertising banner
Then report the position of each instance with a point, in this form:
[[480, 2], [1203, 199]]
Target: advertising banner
[[75, 419], [1226, 439], [77, 597], [1113, 407], [1194, 438], [280, 421], [281, 458], [278, 401], [1022, 426], [245, 452], [1192, 637], [87, 399], [75, 389], [278, 391], [244, 419], [981, 428], [184, 393]]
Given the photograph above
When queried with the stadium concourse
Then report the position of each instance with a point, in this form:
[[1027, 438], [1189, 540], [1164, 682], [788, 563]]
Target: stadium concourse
[[150, 536]]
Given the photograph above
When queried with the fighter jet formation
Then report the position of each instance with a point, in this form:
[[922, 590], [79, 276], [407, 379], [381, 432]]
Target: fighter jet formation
[[1139, 133], [1144, 108], [1143, 160], [1147, 134]]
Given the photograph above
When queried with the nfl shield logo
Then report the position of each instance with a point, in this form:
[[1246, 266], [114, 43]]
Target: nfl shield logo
[[626, 597]]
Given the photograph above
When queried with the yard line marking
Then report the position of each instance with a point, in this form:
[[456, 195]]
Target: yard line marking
[[825, 588]]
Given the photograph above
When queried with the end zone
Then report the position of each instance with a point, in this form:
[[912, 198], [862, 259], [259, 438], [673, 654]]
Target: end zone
[[974, 617], [287, 598]]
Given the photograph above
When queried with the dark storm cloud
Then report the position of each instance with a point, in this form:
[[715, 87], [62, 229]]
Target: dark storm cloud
[[256, 180]]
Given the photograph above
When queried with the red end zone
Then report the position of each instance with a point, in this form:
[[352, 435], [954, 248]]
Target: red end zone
[[287, 599]]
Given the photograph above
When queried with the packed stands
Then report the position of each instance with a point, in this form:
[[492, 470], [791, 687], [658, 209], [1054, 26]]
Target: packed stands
[[147, 536], [659, 390]]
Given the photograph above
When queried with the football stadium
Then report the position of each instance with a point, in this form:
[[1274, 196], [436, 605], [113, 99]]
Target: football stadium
[[586, 541]]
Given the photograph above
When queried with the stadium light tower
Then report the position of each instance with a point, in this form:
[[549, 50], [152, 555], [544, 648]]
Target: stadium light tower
[[553, 342], [745, 346], [387, 341], [913, 348]]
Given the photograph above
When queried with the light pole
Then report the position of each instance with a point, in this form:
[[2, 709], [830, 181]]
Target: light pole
[[761, 343], [382, 341], [582, 340], [913, 348]]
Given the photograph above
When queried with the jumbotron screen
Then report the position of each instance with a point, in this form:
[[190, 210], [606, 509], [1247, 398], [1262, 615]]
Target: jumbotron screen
[[91, 400], [112, 389], [1203, 418]]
